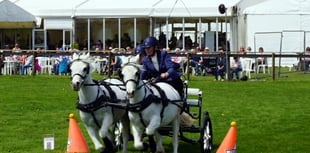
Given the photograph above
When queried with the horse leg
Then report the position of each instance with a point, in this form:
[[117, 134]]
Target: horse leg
[[105, 134], [125, 132], [151, 130], [153, 125], [152, 143], [159, 146], [137, 136], [94, 136], [175, 130]]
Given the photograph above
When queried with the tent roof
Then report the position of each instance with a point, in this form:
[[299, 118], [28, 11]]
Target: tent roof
[[190, 8], [280, 7], [114, 8], [55, 8], [155, 8], [13, 13], [125, 8]]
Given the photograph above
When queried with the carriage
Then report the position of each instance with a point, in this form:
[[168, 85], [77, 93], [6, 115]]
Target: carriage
[[201, 129], [194, 122]]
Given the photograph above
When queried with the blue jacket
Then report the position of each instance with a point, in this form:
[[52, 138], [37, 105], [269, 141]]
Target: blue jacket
[[165, 64]]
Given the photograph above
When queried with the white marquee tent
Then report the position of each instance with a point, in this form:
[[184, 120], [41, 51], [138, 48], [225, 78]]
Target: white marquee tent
[[279, 26], [123, 8], [264, 24], [59, 14]]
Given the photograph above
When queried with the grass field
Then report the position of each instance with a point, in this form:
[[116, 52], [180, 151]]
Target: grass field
[[272, 116]]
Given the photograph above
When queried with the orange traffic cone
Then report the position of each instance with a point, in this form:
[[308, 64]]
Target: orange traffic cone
[[228, 145], [76, 141]]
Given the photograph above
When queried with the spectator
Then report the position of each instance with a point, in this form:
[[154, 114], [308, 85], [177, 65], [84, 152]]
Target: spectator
[[1, 62], [125, 41], [16, 48], [242, 51], [158, 64], [162, 40], [220, 66], [181, 60], [203, 60], [63, 65], [188, 42], [27, 64], [235, 68], [194, 61], [173, 41], [115, 41], [98, 45], [307, 59], [180, 42], [249, 50], [260, 60], [116, 62]]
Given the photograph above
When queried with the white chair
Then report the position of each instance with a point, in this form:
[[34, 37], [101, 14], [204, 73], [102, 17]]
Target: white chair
[[100, 64], [247, 64], [46, 64], [263, 67], [10, 67]]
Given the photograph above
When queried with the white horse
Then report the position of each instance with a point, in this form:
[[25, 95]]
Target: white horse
[[148, 110], [93, 99]]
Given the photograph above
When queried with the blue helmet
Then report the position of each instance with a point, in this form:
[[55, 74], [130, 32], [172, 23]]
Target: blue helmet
[[150, 41], [139, 50]]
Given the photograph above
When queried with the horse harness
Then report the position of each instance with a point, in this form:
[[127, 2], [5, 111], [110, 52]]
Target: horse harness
[[99, 102], [148, 100]]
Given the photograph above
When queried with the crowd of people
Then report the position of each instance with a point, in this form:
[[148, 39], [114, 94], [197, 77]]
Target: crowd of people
[[153, 48]]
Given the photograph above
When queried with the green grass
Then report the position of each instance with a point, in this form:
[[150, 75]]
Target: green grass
[[271, 116]]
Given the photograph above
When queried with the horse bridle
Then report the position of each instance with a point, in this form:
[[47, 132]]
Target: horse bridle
[[80, 75], [133, 80]]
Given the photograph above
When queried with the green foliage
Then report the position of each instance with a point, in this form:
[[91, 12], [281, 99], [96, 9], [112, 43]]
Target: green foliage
[[75, 45], [271, 116]]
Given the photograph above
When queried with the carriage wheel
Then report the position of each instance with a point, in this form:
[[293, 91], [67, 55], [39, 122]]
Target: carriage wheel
[[206, 134], [118, 135]]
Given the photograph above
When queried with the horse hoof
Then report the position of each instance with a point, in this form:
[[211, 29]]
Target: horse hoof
[[106, 150], [145, 147]]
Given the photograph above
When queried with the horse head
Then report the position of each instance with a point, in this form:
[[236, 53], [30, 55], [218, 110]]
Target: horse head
[[131, 76], [80, 68]]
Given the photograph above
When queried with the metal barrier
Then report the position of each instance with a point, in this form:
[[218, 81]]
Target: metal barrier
[[273, 56]]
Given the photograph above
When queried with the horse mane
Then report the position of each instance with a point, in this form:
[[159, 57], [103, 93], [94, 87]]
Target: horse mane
[[130, 59], [85, 57], [140, 67]]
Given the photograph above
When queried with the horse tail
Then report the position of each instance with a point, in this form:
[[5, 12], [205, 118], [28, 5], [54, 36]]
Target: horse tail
[[186, 120]]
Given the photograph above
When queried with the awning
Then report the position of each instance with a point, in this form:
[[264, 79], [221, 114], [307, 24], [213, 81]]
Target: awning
[[13, 16], [55, 23]]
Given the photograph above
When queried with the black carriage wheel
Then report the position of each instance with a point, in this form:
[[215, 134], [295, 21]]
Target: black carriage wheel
[[206, 134]]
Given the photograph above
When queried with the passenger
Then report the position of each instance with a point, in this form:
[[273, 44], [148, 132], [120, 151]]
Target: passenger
[[140, 53]]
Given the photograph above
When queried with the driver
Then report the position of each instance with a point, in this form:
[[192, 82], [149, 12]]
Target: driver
[[158, 64]]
